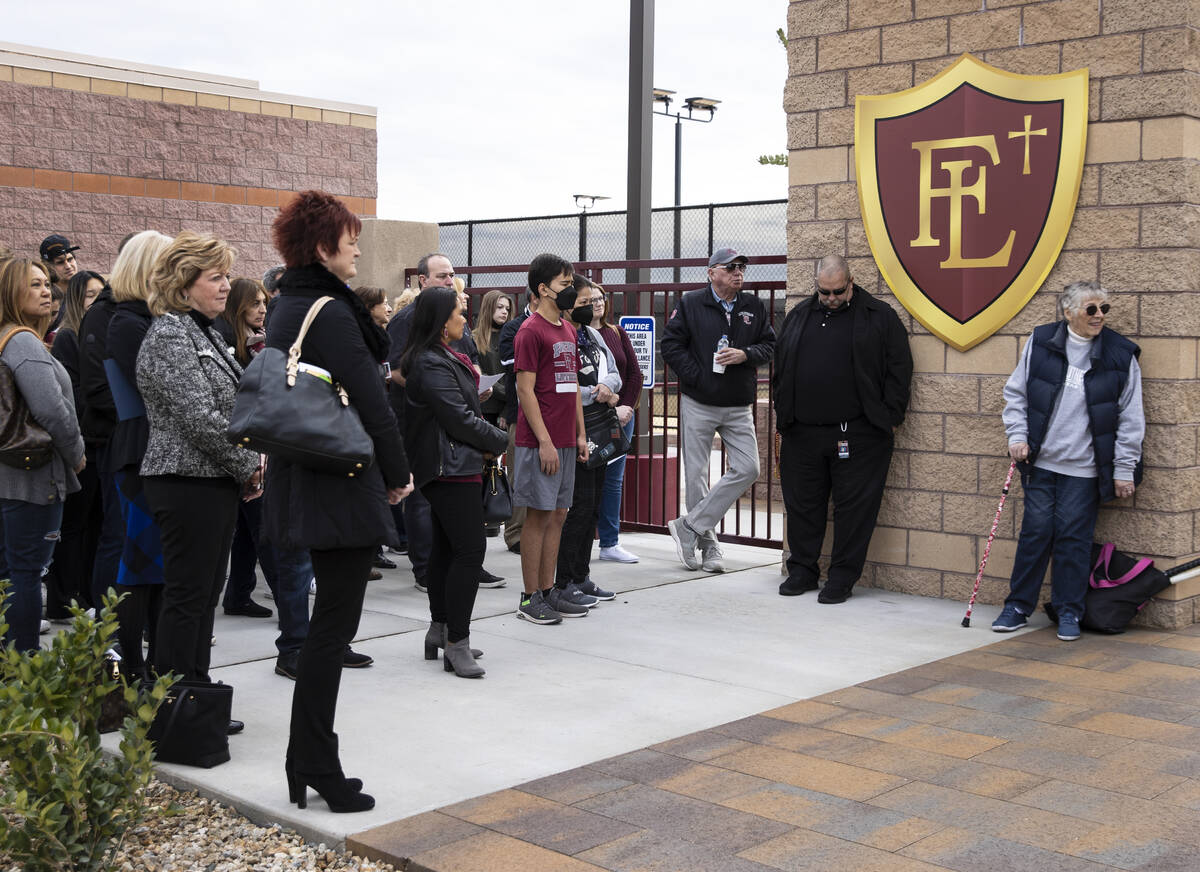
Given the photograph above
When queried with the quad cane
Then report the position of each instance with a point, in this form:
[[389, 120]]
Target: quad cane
[[1012, 467]]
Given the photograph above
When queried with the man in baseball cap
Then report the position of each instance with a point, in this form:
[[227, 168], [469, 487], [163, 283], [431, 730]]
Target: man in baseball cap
[[56, 252], [715, 340]]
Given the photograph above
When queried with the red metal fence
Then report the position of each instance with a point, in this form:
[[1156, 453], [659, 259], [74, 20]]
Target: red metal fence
[[653, 472]]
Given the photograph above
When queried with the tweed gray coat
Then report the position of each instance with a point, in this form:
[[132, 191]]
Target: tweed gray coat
[[189, 387]]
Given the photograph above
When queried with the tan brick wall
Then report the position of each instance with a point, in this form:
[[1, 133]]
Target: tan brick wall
[[1137, 230]]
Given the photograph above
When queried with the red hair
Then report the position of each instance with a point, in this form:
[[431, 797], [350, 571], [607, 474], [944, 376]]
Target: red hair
[[312, 218]]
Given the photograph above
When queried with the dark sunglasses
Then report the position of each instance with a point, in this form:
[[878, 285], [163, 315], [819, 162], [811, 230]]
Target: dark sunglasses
[[1092, 308], [733, 267], [825, 292]]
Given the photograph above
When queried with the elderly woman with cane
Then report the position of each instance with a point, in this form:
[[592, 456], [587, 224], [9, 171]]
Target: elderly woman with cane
[[1073, 415]]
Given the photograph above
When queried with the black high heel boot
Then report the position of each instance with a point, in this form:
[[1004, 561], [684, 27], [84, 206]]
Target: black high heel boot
[[335, 789], [354, 784]]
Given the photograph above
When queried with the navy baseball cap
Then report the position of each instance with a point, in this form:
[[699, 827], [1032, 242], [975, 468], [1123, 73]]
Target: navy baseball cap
[[726, 255], [56, 246]]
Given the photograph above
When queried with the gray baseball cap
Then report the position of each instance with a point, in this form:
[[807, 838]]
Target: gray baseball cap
[[726, 255]]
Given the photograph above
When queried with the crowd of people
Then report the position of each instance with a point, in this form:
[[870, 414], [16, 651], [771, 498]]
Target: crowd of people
[[127, 478]]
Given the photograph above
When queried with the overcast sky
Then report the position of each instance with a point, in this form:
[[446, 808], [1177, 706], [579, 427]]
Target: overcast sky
[[486, 109]]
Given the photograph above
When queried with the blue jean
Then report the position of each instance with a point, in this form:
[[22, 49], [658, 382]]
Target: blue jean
[[293, 572], [608, 522], [1060, 518], [28, 534]]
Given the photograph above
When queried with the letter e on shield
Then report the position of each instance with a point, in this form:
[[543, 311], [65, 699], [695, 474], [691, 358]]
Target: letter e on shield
[[967, 185]]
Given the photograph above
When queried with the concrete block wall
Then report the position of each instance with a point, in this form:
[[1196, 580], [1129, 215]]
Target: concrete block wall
[[94, 157], [1136, 229]]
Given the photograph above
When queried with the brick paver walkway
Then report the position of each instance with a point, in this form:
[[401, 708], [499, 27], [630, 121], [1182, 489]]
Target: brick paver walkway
[[1030, 754]]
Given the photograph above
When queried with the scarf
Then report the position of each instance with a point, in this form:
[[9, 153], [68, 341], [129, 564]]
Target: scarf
[[314, 281]]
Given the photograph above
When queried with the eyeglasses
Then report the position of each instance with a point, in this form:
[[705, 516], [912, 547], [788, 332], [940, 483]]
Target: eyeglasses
[[825, 292], [733, 267], [1092, 308]]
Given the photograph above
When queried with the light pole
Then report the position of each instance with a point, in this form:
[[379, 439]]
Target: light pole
[[583, 202], [664, 98]]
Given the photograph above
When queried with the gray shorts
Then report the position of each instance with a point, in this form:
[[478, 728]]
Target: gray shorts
[[534, 489]]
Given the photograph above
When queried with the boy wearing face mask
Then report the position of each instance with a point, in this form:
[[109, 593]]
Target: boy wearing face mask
[[599, 382], [550, 436]]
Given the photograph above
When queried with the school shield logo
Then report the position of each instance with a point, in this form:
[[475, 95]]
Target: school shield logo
[[967, 185]]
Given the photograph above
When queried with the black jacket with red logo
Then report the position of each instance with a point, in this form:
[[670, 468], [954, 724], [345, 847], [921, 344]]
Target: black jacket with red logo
[[690, 341]]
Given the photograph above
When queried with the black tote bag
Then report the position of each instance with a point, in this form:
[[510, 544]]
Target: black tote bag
[[288, 409]]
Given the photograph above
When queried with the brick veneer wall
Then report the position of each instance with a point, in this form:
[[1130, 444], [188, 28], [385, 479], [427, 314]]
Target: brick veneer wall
[[1136, 229], [95, 159]]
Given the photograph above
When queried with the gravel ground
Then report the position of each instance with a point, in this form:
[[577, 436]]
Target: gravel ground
[[185, 831]]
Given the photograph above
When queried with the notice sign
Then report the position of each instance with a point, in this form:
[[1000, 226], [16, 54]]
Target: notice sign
[[641, 334]]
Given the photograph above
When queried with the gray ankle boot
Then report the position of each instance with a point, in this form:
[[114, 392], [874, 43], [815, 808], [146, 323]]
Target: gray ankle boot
[[435, 638], [460, 661]]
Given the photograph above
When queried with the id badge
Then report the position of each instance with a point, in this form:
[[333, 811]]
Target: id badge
[[843, 449]]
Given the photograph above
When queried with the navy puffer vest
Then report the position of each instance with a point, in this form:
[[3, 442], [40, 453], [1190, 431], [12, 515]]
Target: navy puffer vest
[[1102, 386]]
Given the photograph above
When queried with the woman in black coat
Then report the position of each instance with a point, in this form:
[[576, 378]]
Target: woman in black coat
[[448, 440], [340, 520]]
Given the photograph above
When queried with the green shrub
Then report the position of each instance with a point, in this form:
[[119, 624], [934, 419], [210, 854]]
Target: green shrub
[[66, 805]]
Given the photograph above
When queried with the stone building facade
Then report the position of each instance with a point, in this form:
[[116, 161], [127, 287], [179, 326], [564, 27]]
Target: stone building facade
[[94, 149], [1136, 229]]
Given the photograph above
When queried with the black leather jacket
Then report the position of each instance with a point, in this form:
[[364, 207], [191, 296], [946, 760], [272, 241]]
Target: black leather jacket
[[444, 429]]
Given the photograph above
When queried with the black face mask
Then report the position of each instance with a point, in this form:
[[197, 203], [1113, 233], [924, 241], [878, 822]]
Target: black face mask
[[582, 315], [566, 298]]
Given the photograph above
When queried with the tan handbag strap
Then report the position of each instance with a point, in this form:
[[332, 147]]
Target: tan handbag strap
[[293, 364], [11, 333]]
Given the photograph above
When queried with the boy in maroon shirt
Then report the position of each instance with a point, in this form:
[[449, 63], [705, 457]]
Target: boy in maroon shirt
[[550, 436]]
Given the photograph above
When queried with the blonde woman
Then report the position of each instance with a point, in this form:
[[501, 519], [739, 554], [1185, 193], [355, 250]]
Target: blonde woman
[[494, 312], [193, 476], [31, 500]]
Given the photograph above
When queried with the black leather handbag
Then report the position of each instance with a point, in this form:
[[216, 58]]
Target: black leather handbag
[[295, 411], [191, 726], [24, 443], [497, 494], [605, 435]]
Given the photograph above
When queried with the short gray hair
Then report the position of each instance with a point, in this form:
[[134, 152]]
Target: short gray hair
[[832, 264], [1074, 294]]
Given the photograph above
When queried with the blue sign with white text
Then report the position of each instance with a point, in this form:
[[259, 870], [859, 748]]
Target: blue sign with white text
[[641, 335]]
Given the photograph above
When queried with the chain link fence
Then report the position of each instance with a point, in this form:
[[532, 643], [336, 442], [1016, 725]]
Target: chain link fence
[[753, 228]]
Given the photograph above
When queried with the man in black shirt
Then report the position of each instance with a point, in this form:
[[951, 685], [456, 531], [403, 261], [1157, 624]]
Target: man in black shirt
[[841, 385]]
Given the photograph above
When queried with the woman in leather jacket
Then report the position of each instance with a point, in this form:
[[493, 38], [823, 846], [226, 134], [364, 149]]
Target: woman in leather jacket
[[448, 440]]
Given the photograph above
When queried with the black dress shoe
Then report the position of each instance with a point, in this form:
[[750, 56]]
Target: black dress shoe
[[288, 664], [831, 595], [250, 609], [374, 575], [382, 562], [486, 579], [354, 660], [515, 548], [797, 586], [236, 727]]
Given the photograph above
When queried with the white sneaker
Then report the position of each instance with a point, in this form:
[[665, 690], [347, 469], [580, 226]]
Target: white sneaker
[[618, 554], [44, 628]]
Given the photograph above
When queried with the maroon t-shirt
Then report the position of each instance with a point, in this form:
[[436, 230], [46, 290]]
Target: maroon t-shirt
[[550, 353]]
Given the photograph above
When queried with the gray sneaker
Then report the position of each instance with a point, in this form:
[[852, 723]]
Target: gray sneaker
[[590, 588], [561, 602], [535, 608], [575, 593], [685, 543], [711, 556]]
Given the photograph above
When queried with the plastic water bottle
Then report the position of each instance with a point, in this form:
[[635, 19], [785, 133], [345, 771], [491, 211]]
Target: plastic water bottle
[[722, 344]]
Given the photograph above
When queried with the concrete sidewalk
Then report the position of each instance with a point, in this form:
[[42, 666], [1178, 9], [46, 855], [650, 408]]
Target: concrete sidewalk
[[676, 652]]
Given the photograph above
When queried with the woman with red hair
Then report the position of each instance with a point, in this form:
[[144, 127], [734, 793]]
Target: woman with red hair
[[341, 521]]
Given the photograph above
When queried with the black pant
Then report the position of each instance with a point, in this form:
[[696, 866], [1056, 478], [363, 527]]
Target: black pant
[[195, 518], [456, 558], [244, 555], [112, 527], [810, 470], [417, 525], [138, 615], [341, 585], [70, 575], [579, 529]]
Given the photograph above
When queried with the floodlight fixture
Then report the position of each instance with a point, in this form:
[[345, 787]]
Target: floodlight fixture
[[590, 198]]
